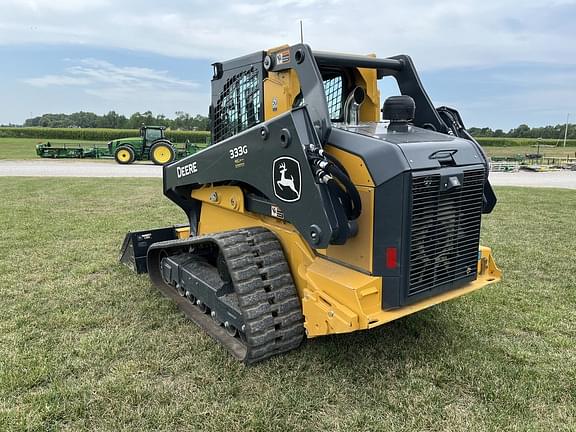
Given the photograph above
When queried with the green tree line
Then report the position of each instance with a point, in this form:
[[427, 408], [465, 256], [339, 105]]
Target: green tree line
[[96, 134], [525, 131], [113, 120], [185, 121]]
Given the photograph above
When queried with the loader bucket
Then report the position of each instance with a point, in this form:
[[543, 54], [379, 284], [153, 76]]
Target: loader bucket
[[135, 246]]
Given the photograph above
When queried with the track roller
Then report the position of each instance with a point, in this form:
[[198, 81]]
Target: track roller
[[237, 286]]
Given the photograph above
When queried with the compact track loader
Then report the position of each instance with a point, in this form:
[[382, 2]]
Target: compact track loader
[[309, 215]]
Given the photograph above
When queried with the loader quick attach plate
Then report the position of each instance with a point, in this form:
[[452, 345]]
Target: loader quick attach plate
[[135, 246], [236, 285]]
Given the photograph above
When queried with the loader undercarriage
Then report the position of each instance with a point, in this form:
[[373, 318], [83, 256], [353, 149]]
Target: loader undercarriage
[[237, 286]]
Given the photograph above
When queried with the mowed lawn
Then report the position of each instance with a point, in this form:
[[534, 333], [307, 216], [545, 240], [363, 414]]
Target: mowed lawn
[[560, 152], [25, 148], [86, 345]]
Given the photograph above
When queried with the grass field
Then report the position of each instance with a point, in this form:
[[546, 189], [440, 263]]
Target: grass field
[[522, 142], [86, 345], [546, 151], [25, 148]]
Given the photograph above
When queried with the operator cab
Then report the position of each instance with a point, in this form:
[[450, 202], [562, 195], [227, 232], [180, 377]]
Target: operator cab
[[354, 88], [152, 133]]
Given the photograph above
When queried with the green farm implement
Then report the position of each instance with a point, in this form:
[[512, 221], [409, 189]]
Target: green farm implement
[[152, 144], [46, 150]]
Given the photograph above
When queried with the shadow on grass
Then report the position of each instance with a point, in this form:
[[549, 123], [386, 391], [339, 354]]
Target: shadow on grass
[[421, 337]]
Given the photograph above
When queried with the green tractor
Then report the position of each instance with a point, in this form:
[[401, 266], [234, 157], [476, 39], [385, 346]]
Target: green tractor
[[152, 144]]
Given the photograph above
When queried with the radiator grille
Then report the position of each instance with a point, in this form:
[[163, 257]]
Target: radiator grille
[[445, 231]]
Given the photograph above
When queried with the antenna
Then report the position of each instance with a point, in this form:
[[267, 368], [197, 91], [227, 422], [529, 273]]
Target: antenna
[[301, 33], [565, 130]]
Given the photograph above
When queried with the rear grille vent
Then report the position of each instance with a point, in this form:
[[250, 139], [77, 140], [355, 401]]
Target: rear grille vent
[[445, 232]]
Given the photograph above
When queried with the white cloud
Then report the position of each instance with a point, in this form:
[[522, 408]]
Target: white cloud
[[125, 88], [96, 85], [56, 80], [443, 34], [67, 6], [102, 75], [439, 34]]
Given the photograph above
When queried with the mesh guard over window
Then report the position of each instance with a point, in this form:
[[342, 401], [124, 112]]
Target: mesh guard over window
[[238, 107], [333, 90]]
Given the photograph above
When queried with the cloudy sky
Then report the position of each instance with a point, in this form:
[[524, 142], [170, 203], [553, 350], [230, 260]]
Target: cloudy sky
[[501, 63]]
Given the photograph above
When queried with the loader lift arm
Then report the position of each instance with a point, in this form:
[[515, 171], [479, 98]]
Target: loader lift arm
[[316, 213]]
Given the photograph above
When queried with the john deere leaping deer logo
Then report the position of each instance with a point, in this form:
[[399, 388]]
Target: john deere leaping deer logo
[[284, 181], [287, 179]]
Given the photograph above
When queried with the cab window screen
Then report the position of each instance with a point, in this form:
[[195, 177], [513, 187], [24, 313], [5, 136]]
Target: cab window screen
[[239, 106], [333, 90]]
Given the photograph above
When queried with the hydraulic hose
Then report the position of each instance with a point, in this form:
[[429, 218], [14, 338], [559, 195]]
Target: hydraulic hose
[[338, 182], [336, 162], [342, 197], [351, 191]]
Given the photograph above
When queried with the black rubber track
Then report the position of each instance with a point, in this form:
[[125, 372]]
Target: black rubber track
[[267, 297]]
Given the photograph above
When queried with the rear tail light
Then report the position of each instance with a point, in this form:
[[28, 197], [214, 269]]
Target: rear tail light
[[391, 258]]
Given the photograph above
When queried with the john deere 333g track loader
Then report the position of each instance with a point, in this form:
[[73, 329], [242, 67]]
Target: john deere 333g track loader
[[309, 215]]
